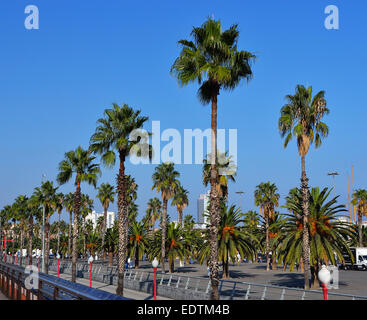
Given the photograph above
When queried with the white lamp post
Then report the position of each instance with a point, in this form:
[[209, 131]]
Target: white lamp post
[[324, 277], [155, 265]]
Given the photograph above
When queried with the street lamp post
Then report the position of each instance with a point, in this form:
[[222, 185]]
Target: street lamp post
[[333, 174], [58, 265], [90, 260], [155, 265], [25, 260], [324, 277], [241, 193], [39, 262]]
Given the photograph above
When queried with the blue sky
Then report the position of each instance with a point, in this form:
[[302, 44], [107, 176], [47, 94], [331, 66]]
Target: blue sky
[[55, 83]]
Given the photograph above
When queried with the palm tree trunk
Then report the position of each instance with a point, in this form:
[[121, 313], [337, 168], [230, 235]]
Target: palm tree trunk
[[267, 242], [137, 259], [77, 203], [47, 243], [360, 233], [110, 259], [314, 276], [164, 224], [30, 240], [104, 227], [181, 216], [306, 246], [274, 260], [122, 225], [214, 206], [70, 228], [172, 265]]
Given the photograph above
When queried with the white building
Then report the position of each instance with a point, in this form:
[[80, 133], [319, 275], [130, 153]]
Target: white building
[[203, 203], [93, 216]]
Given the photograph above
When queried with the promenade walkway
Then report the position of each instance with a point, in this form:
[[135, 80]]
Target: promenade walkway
[[132, 294], [2, 297]]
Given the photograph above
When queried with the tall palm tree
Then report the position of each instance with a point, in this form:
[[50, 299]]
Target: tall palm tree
[[80, 163], [113, 136], [111, 244], [59, 205], [20, 208], [68, 205], [181, 201], [85, 209], [34, 212], [165, 181], [360, 200], [267, 198], [46, 197], [301, 117], [328, 235], [154, 210], [251, 220], [106, 194], [212, 59]]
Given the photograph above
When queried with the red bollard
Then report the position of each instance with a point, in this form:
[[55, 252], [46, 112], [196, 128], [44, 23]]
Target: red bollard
[[324, 290], [25, 264], [90, 280], [9, 258], [58, 268], [155, 283], [39, 263]]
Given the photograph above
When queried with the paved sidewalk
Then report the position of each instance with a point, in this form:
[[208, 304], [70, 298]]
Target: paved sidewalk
[[128, 293], [2, 296]]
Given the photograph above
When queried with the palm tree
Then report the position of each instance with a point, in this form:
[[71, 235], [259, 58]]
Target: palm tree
[[267, 198], [154, 210], [68, 205], [165, 181], [46, 197], [360, 200], [328, 235], [111, 243], [175, 245], [232, 240], [34, 212], [92, 242], [113, 135], [59, 205], [213, 60], [106, 194], [86, 208], [20, 210], [138, 241], [80, 163], [251, 222], [181, 201], [301, 117], [226, 171]]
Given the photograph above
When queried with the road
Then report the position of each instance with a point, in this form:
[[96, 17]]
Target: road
[[132, 294]]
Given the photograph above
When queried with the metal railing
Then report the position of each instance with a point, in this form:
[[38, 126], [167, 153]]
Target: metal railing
[[13, 285], [228, 289]]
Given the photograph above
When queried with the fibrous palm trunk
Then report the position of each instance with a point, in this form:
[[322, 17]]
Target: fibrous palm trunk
[[305, 207], [47, 243], [77, 203], [122, 225], [104, 228], [70, 230], [163, 226], [30, 240], [214, 207]]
